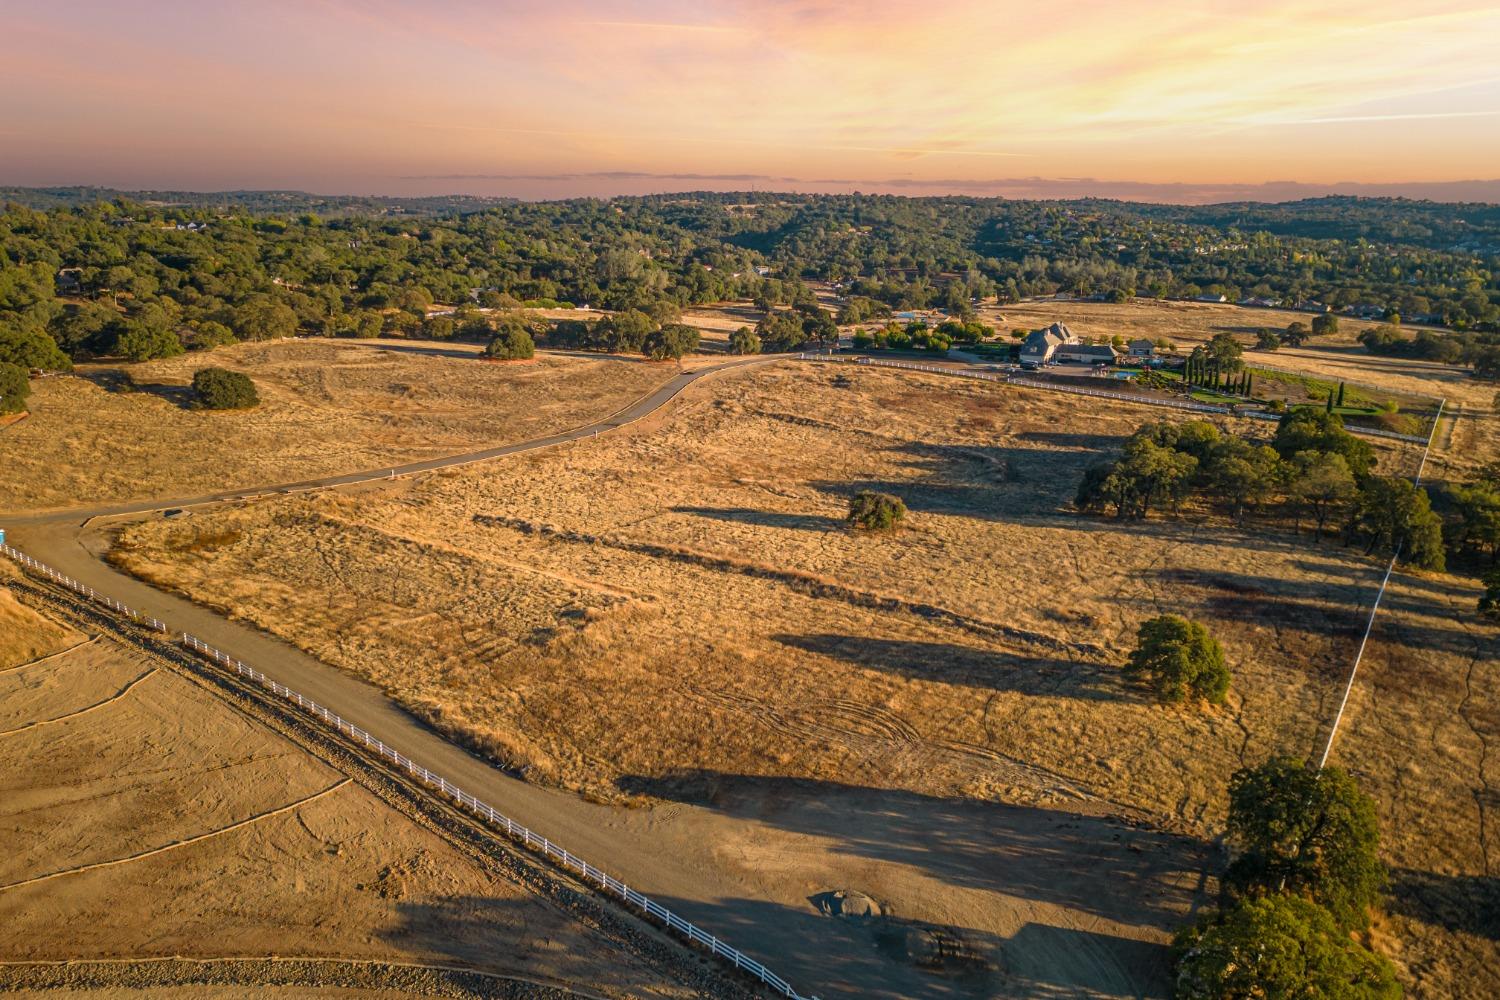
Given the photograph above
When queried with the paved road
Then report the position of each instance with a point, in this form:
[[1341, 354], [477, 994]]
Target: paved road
[[635, 411], [675, 862], [746, 875]]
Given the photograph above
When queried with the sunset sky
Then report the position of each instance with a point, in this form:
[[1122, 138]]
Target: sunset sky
[[1172, 100]]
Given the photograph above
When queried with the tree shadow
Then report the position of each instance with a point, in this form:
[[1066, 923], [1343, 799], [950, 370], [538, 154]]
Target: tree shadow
[[116, 380], [1468, 904], [766, 518], [1103, 865], [981, 669]]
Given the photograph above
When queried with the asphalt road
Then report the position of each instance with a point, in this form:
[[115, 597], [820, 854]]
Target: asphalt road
[[635, 411]]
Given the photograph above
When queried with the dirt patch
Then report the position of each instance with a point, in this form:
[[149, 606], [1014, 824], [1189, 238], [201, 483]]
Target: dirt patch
[[168, 825]]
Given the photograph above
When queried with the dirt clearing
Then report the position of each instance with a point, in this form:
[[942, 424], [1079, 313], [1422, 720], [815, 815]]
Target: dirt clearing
[[166, 824]]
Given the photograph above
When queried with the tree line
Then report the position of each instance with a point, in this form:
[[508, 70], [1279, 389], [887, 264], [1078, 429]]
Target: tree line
[[1313, 470]]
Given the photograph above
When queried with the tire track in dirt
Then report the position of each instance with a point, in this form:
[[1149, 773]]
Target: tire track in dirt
[[82, 711], [141, 855], [876, 732]]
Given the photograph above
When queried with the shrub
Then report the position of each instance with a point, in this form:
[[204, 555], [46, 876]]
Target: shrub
[[1277, 947], [671, 342], [511, 342], [1305, 831], [140, 342], [744, 341], [1178, 658], [1489, 601], [876, 511], [15, 386], [222, 389]]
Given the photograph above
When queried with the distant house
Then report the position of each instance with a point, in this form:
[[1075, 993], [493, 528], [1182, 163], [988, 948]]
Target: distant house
[[1210, 298], [1040, 346], [1087, 354], [762, 270], [1142, 349], [70, 281]]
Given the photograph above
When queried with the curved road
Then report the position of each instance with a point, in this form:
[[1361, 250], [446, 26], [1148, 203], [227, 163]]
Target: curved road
[[641, 407]]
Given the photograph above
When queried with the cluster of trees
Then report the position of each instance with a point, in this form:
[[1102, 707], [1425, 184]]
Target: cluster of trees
[[1478, 352], [1305, 876], [789, 329], [918, 336], [15, 388], [110, 277], [1313, 468]]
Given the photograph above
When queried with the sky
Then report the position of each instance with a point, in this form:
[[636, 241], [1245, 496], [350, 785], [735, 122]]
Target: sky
[[1161, 100]]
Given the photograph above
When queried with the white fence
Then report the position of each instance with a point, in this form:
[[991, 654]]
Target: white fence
[[444, 787], [1174, 404], [89, 592]]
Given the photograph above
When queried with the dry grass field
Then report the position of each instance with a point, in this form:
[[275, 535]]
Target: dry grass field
[[524, 605], [147, 820], [677, 610], [326, 407]]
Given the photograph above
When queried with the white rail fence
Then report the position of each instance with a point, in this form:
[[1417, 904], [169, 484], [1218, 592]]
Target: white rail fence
[[444, 787], [1174, 404]]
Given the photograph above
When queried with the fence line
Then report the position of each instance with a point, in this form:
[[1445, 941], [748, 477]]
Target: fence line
[[1379, 595], [1176, 404], [446, 788]]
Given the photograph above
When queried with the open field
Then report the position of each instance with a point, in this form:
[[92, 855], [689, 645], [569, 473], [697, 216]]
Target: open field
[[553, 611], [326, 407], [146, 820]]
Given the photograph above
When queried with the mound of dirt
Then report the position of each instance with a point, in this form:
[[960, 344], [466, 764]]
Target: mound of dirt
[[847, 903]]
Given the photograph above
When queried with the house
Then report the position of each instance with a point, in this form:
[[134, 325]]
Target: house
[[70, 281], [1087, 354], [1141, 348], [1040, 346], [1210, 298]]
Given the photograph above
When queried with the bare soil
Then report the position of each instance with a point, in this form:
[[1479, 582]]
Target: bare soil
[[167, 825]]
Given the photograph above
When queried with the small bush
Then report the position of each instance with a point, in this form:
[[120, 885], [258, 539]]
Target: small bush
[[15, 386], [876, 511], [222, 389]]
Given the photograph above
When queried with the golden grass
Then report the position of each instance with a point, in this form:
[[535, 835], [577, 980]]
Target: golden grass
[[683, 596], [24, 634], [327, 407]]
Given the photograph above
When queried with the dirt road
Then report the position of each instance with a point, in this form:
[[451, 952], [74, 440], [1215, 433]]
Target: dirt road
[[1012, 892]]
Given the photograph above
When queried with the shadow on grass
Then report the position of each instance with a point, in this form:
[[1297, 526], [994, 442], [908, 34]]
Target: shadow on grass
[[766, 518], [1468, 904], [1101, 865], [976, 668], [118, 381]]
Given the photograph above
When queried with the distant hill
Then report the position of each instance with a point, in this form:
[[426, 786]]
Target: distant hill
[[257, 202]]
